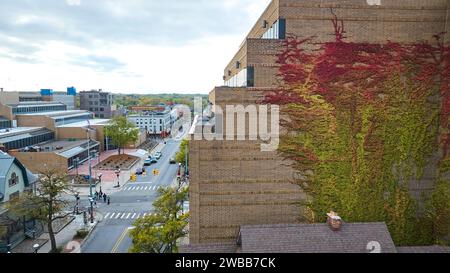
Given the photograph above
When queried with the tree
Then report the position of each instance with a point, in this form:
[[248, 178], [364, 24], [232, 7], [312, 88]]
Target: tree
[[159, 233], [121, 131], [180, 157], [46, 204]]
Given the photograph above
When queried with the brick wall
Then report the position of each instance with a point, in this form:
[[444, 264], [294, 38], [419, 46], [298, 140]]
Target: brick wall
[[232, 182]]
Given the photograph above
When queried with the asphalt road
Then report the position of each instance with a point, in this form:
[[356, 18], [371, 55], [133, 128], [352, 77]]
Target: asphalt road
[[132, 202]]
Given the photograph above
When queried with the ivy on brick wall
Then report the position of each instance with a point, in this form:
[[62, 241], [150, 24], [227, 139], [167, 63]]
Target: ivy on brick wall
[[367, 122]]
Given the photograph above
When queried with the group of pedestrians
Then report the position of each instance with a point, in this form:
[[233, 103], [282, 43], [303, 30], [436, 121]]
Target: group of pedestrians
[[102, 196]]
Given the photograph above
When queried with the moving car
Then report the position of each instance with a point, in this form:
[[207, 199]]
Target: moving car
[[147, 162], [152, 159], [158, 155], [172, 161], [140, 171]]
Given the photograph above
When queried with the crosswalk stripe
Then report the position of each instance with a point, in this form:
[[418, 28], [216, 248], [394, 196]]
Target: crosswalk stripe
[[133, 216], [145, 188], [118, 215], [145, 214], [112, 215], [139, 215], [106, 216], [123, 216], [128, 216]]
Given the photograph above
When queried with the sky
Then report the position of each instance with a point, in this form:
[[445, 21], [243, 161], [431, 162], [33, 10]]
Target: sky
[[126, 46]]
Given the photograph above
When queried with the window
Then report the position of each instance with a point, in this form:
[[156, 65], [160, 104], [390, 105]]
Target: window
[[276, 31], [14, 180]]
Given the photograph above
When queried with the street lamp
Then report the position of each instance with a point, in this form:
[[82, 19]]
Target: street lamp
[[91, 200], [90, 164], [118, 177], [36, 248], [100, 180], [77, 198]]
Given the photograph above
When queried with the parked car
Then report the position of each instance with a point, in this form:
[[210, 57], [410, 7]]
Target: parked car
[[158, 155], [172, 161], [152, 159], [140, 171]]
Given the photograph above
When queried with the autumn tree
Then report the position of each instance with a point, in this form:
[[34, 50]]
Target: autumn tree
[[122, 132], [160, 232], [180, 157], [47, 204]]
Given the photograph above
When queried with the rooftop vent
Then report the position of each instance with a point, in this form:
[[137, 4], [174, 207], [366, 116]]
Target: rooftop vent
[[334, 221]]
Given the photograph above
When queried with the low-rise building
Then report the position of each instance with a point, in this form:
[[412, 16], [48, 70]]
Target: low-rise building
[[59, 154], [14, 180], [154, 122], [21, 137]]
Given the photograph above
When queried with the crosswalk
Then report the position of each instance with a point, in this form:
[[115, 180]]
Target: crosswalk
[[125, 215], [141, 188]]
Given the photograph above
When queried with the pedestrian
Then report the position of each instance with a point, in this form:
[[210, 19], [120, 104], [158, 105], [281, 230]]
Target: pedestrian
[[101, 193], [96, 195], [109, 200], [104, 197]]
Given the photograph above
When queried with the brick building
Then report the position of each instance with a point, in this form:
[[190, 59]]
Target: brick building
[[234, 183]]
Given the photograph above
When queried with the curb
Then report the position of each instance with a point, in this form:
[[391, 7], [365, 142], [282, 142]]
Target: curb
[[87, 236]]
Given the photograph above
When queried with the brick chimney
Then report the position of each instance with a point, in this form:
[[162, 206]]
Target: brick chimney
[[334, 221]]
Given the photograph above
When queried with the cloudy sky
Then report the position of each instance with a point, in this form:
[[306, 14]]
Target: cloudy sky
[[134, 46]]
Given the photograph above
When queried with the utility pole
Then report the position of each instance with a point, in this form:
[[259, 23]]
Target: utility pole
[[90, 165]]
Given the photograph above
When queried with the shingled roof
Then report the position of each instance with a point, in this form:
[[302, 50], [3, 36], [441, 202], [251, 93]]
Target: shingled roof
[[316, 238], [423, 249], [304, 238]]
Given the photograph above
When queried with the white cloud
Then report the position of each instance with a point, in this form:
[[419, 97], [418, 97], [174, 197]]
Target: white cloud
[[73, 2], [88, 51]]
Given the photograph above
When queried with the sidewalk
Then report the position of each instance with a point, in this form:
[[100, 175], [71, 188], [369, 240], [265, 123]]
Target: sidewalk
[[64, 238]]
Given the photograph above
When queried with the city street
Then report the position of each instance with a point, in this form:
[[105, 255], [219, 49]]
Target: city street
[[133, 201]]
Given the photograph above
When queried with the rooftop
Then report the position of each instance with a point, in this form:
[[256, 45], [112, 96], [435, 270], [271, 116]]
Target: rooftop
[[85, 123], [65, 148], [57, 113], [5, 133], [304, 238], [35, 103]]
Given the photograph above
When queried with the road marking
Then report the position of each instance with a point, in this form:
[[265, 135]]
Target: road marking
[[128, 216], [139, 215], [117, 244], [145, 188], [145, 214], [106, 216], [118, 215], [112, 215], [133, 216], [123, 216]]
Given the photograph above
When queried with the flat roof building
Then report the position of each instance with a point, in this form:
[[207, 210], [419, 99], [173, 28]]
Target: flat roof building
[[58, 154], [98, 102]]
